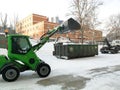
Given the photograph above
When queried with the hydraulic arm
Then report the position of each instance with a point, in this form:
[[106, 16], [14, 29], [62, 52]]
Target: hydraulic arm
[[107, 42], [69, 25]]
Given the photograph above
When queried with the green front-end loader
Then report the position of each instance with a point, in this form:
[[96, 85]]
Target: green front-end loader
[[21, 54]]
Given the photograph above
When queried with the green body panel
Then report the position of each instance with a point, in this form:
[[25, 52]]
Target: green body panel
[[3, 60], [24, 58]]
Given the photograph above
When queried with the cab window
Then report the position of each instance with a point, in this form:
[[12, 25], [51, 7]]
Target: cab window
[[20, 45]]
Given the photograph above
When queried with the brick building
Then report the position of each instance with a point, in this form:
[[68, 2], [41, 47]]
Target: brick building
[[88, 36], [34, 25]]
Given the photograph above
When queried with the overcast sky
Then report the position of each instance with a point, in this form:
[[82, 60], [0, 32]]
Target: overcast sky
[[52, 8], [110, 7], [23, 8]]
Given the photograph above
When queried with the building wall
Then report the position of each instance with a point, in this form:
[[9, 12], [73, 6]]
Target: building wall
[[34, 25], [88, 35], [39, 18]]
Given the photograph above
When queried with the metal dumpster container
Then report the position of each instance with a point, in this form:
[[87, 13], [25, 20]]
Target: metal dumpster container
[[69, 51]]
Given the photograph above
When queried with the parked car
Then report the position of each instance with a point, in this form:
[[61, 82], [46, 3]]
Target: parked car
[[116, 42]]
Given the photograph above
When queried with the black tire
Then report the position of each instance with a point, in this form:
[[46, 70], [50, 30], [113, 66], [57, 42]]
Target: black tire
[[102, 51], [10, 74], [113, 51], [43, 70]]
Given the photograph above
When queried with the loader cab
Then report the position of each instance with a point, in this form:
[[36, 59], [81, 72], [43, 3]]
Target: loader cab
[[18, 44]]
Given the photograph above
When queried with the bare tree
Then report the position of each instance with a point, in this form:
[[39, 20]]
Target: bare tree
[[8, 25], [3, 21], [85, 12], [13, 22], [113, 26]]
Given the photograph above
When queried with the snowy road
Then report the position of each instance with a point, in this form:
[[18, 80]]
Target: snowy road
[[106, 78], [101, 72]]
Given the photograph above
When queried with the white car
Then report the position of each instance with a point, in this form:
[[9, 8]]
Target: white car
[[116, 42]]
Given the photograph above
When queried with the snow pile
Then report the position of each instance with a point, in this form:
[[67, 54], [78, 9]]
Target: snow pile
[[104, 82], [3, 51]]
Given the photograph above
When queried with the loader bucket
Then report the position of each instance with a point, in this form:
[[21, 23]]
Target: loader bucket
[[70, 25]]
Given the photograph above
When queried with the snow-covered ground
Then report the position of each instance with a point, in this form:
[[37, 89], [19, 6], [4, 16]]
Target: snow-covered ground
[[101, 72]]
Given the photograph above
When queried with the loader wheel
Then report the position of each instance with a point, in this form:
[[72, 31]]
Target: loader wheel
[[10, 74], [43, 70]]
